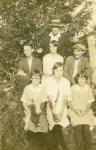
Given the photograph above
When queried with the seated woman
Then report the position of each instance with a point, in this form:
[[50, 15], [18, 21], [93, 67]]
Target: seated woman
[[58, 89], [34, 102]]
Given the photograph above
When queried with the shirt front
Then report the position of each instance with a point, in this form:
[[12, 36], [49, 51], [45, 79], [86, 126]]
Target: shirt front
[[52, 87], [75, 71], [48, 62], [30, 63], [54, 37], [80, 97]]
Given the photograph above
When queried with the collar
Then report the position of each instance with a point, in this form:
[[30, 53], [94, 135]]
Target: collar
[[30, 58], [57, 36], [78, 57]]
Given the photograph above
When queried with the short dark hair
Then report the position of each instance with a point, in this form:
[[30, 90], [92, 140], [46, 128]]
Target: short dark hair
[[57, 65], [36, 72], [82, 75], [54, 43]]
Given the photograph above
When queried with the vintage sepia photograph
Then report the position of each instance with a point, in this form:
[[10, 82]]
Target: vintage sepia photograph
[[47, 74]]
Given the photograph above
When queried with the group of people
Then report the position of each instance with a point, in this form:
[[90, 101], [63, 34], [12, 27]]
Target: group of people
[[56, 96]]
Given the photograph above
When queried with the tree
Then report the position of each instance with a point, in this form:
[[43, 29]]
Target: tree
[[22, 20]]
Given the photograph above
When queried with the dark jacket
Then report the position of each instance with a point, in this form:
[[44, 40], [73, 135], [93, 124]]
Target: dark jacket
[[84, 65], [22, 81]]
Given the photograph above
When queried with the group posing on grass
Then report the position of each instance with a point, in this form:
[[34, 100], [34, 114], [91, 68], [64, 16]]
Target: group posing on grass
[[56, 96]]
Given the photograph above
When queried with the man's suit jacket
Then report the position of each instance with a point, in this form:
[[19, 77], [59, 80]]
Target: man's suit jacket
[[22, 81], [36, 64], [83, 65]]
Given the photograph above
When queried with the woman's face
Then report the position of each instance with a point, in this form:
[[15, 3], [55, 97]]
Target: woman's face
[[58, 73], [53, 49], [36, 79], [81, 81]]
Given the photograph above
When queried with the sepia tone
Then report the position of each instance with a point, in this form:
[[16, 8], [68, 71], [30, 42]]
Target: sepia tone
[[27, 21]]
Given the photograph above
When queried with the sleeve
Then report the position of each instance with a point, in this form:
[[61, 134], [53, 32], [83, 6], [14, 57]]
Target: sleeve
[[45, 83], [39, 65], [42, 43], [20, 66], [67, 65], [62, 59], [22, 78], [88, 69], [25, 97], [44, 65], [20, 70], [67, 88], [91, 97], [27, 113], [44, 97], [69, 98]]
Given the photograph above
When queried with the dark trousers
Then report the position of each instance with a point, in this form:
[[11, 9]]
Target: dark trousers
[[59, 137], [82, 137], [64, 137], [37, 141]]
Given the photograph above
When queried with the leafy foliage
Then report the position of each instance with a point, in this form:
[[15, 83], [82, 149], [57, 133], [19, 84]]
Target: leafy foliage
[[27, 20]]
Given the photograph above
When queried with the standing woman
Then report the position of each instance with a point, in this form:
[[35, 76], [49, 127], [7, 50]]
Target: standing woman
[[58, 89]]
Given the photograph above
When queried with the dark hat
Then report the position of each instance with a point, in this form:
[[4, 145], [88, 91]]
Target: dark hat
[[56, 23], [80, 47]]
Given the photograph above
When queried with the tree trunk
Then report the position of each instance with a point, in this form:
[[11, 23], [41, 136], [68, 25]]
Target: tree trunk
[[92, 54]]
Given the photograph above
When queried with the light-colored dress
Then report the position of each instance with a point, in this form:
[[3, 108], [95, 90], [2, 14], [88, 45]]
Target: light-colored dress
[[48, 62], [59, 106], [35, 96], [80, 97]]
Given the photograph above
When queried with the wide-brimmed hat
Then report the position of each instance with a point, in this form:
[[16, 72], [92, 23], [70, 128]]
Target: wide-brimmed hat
[[80, 47], [56, 23]]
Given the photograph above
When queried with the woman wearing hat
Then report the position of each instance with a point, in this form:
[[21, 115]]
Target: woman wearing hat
[[77, 63], [57, 35]]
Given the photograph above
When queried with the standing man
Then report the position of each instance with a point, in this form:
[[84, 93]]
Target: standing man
[[57, 35]]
